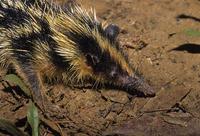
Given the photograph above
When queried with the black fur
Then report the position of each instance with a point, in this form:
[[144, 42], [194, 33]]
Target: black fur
[[13, 17]]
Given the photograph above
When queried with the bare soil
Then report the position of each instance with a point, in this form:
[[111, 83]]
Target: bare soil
[[154, 36]]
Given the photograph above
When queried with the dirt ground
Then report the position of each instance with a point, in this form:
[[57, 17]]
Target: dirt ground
[[154, 34]]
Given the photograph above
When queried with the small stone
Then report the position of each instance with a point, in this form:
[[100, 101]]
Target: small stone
[[115, 96]]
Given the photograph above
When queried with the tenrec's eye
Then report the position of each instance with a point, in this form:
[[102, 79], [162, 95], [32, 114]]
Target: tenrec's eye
[[92, 59], [113, 72]]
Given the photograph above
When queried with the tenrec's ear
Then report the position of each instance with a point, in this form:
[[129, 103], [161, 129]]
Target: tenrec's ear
[[112, 31]]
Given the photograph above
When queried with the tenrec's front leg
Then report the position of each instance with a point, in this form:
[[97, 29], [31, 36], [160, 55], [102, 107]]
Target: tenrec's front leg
[[33, 80]]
